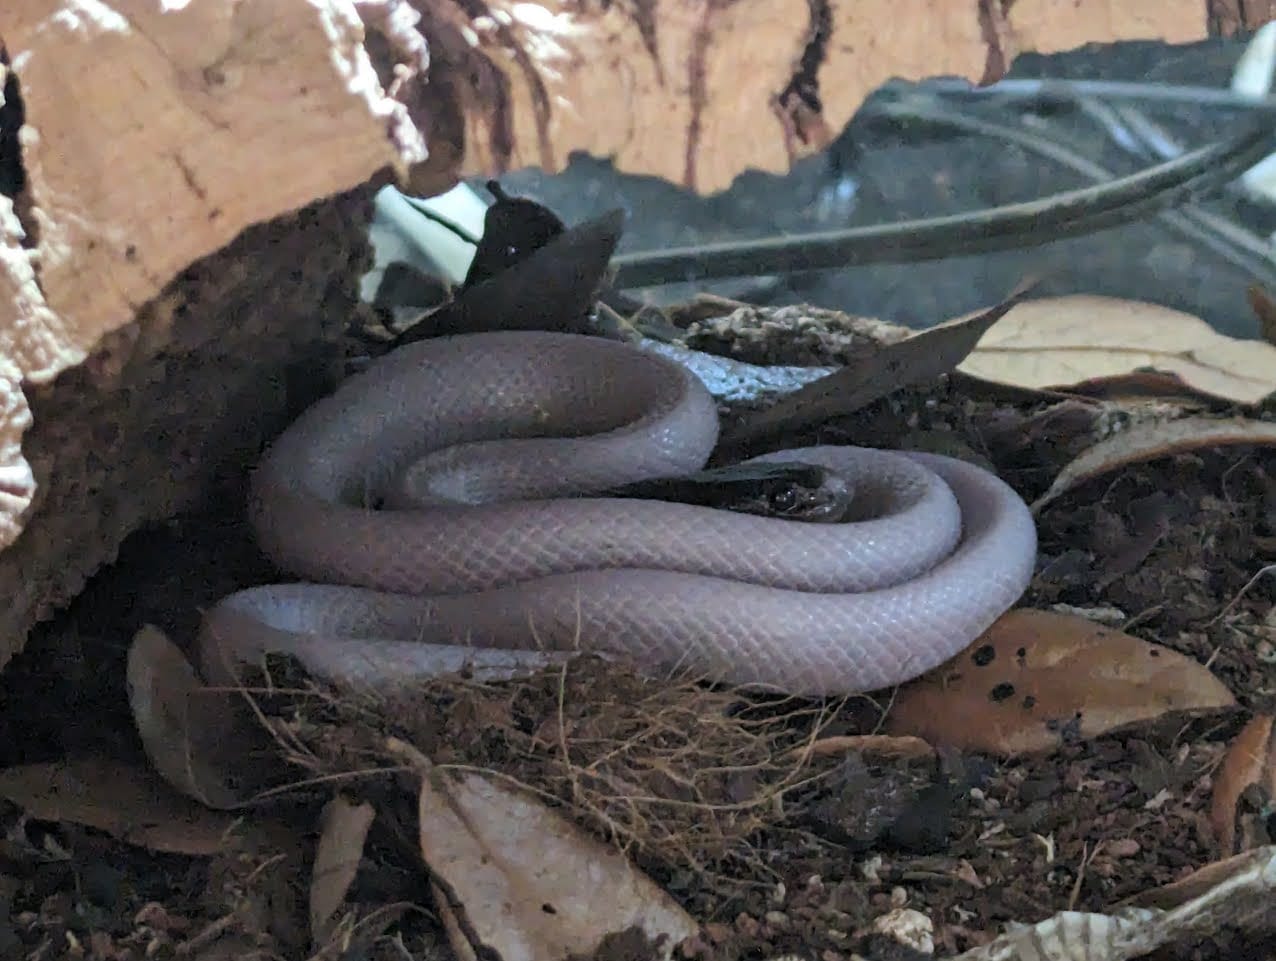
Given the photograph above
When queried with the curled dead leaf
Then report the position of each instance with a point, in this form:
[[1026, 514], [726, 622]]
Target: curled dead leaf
[[343, 831], [524, 883], [1149, 441], [194, 736], [1058, 342], [917, 358], [128, 802], [1036, 679], [1245, 787]]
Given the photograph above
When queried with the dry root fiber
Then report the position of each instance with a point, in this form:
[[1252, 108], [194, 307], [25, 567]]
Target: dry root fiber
[[680, 775]]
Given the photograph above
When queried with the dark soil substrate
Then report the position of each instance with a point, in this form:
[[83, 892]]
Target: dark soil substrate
[[972, 842]]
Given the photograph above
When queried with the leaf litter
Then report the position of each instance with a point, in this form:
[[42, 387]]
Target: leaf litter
[[1083, 340], [1036, 679], [512, 868], [759, 826], [343, 831]]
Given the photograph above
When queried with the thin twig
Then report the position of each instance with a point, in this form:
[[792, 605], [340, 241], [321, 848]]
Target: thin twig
[[1012, 226]]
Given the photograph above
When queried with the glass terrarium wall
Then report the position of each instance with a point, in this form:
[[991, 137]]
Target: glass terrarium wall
[[886, 168]]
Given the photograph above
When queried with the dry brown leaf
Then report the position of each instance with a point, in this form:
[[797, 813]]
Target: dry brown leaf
[[1244, 787], [920, 357], [527, 883], [1059, 342], [343, 831], [194, 736], [1145, 442], [874, 745], [127, 802], [1036, 679], [1126, 389]]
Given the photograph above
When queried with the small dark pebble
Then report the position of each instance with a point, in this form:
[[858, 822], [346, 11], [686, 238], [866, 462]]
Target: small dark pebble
[[924, 826], [10, 944], [1039, 788], [101, 884]]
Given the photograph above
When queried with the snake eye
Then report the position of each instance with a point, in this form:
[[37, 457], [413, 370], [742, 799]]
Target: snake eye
[[785, 499]]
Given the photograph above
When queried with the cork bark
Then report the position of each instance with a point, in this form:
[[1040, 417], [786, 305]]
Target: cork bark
[[697, 91], [186, 199]]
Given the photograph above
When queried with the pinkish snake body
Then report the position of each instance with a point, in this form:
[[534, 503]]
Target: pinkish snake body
[[484, 553]]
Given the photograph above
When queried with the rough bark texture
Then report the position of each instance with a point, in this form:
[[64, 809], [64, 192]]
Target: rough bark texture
[[146, 324], [178, 399], [1228, 17], [696, 91]]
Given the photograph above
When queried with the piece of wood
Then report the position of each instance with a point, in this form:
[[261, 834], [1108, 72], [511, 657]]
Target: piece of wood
[[154, 135], [697, 91]]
